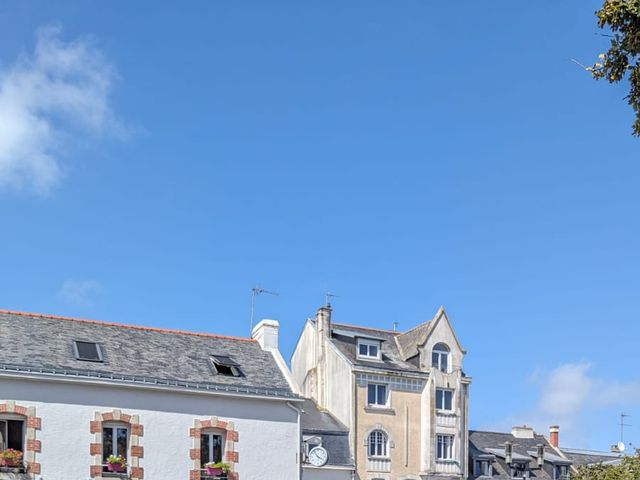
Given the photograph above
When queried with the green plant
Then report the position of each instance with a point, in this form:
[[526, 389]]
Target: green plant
[[117, 460], [224, 466], [11, 458]]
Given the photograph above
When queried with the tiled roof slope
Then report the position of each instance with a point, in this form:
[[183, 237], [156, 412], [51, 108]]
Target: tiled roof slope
[[44, 344], [408, 342], [334, 435], [590, 457], [488, 442], [344, 337]]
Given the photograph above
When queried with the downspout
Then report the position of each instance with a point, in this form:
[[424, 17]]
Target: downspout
[[299, 440]]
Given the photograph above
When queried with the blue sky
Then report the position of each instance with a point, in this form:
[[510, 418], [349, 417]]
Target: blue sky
[[156, 162]]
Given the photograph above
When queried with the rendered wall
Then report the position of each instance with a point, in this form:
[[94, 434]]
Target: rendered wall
[[325, 473], [267, 430]]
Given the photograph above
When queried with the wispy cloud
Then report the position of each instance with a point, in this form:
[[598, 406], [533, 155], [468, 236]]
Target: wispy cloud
[[570, 395], [48, 98], [80, 293]]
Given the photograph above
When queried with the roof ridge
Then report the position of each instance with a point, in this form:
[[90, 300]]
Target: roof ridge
[[367, 328], [122, 325], [417, 326]]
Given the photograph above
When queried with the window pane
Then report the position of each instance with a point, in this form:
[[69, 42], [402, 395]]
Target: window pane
[[448, 396], [107, 443], [362, 349], [444, 358], [382, 394], [434, 360], [373, 351], [216, 441], [15, 435], [204, 449], [122, 442], [3, 435], [438, 398], [371, 394]]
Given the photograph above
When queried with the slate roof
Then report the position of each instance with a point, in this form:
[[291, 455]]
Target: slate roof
[[43, 345], [590, 457], [345, 338], [334, 435], [482, 444]]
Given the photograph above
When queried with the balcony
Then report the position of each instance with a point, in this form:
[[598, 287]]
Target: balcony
[[446, 419], [378, 464], [449, 467]]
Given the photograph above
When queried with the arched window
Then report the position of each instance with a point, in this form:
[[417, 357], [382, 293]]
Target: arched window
[[378, 444], [440, 357]]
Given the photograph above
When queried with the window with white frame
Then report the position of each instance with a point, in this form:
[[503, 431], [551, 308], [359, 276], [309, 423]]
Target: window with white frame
[[561, 472], [444, 399], [377, 394], [519, 470], [483, 468], [378, 444], [115, 441], [369, 349], [444, 447], [211, 447], [11, 434], [440, 357]]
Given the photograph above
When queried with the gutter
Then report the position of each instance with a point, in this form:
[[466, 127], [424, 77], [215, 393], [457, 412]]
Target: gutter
[[96, 378]]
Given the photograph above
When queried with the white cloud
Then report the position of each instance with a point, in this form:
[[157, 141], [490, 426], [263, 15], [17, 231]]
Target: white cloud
[[59, 92], [80, 293], [570, 396]]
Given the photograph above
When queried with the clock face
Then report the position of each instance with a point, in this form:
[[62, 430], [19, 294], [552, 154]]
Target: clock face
[[318, 456]]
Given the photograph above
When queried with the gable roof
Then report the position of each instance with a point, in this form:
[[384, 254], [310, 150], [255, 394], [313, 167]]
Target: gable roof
[[484, 444], [44, 345], [344, 338]]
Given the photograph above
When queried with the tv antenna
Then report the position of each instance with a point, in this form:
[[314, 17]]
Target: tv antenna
[[328, 296], [622, 425], [255, 291]]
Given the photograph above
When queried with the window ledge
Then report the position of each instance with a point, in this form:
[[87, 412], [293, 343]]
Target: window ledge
[[380, 410], [448, 461], [446, 413]]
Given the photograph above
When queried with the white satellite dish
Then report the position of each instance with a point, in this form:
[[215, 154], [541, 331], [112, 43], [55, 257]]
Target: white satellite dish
[[620, 446]]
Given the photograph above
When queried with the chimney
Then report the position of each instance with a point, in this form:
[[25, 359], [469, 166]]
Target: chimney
[[508, 452], [266, 333], [540, 452], [323, 320], [554, 435], [522, 432]]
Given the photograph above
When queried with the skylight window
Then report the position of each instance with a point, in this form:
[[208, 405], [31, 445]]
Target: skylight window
[[87, 351], [225, 365]]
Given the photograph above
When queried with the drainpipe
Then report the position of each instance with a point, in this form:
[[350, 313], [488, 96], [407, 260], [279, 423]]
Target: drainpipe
[[299, 440]]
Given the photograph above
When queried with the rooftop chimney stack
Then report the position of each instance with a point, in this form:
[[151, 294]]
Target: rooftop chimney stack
[[266, 333], [554, 435], [540, 451], [323, 319]]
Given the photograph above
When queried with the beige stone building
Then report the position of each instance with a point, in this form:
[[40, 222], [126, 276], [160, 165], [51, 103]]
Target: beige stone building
[[402, 395]]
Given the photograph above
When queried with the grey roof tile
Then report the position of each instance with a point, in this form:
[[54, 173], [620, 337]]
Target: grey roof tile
[[34, 341]]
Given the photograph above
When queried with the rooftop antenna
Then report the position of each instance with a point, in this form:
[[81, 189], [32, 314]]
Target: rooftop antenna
[[622, 425], [255, 291], [328, 296]]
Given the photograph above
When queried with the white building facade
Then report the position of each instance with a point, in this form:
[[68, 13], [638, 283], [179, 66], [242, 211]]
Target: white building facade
[[167, 402], [402, 396]]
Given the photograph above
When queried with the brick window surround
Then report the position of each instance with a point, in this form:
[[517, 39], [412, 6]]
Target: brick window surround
[[136, 451], [230, 451], [33, 424]]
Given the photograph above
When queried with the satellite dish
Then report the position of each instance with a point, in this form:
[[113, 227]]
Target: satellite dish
[[620, 446]]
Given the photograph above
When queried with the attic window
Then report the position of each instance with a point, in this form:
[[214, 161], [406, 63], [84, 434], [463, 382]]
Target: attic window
[[225, 365], [368, 348], [87, 351]]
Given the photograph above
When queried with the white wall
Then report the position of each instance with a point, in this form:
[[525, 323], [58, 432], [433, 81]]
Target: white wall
[[268, 431]]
